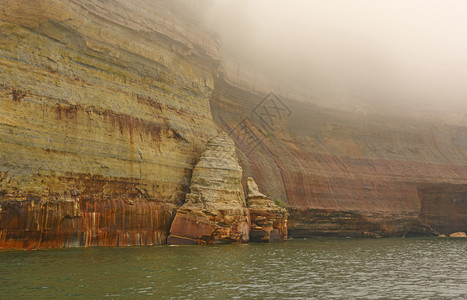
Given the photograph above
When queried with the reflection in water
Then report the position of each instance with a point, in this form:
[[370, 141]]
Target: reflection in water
[[317, 268]]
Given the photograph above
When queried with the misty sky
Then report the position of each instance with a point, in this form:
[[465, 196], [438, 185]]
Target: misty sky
[[410, 50]]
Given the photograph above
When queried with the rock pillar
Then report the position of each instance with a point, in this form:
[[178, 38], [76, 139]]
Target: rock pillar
[[215, 209], [268, 220]]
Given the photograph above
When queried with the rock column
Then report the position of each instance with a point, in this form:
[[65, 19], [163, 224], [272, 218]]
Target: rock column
[[268, 220], [215, 210]]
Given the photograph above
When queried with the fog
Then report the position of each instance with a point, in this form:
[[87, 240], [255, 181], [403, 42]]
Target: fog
[[412, 51]]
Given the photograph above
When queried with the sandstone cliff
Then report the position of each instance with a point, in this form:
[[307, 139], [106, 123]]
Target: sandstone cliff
[[346, 173], [106, 106]]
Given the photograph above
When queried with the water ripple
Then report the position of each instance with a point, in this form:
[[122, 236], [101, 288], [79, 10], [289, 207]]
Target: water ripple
[[297, 269]]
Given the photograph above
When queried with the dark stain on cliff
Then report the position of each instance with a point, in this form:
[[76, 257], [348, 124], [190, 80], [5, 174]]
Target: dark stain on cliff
[[67, 112], [172, 133], [17, 94], [443, 206], [126, 124]]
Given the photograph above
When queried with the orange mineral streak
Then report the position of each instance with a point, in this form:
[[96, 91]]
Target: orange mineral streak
[[98, 135], [33, 224]]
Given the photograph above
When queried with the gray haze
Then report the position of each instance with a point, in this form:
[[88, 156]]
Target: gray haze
[[412, 50]]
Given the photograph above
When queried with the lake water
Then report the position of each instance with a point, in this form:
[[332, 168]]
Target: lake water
[[414, 268]]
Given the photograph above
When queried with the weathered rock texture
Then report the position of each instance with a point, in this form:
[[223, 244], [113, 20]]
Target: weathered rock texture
[[354, 173], [458, 234], [268, 220], [215, 209], [104, 107]]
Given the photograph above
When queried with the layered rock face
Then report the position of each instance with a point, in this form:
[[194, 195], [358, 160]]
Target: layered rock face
[[104, 107], [268, 220], [344, 172], [214, 210]]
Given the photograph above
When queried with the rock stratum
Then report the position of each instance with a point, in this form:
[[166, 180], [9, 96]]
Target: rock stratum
[[107, 106], [104, 108]]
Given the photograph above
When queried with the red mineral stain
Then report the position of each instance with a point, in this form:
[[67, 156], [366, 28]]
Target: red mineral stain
[[17, 94], [90, 219]]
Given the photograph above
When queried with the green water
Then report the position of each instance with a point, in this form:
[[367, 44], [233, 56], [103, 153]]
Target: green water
[[297, 269]]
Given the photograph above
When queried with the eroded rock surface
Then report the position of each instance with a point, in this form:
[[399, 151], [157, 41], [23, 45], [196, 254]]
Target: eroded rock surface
[[104, 106], [343, 173], [458, 234], [214, 210], [268, 220]]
